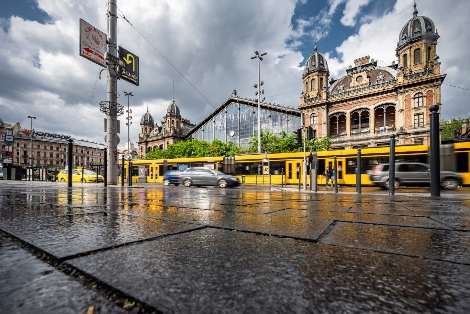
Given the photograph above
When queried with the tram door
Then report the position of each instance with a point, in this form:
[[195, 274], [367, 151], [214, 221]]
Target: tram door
[[330, 164], [293, 172]]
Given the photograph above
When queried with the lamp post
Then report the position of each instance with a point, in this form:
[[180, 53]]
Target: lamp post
[[128, 123], [31, 143], [260, 58]]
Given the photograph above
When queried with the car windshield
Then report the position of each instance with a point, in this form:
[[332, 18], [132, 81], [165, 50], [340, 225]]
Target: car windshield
[[86, 171], [217, 172]]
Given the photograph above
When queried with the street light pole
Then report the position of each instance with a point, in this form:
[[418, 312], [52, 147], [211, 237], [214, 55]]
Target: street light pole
[[128, 123], [31, 144], [260, 58]]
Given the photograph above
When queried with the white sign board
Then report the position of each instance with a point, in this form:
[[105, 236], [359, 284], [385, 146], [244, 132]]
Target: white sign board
[[92, 43]]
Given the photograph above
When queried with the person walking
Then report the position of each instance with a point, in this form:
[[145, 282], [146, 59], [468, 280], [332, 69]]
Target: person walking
[[327, 176], [333, 177]]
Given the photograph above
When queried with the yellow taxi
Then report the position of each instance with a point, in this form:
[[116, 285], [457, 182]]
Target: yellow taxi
[[80, 175]]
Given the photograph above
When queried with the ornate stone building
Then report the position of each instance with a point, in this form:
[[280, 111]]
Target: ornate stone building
[[370, 102], [173, 129]]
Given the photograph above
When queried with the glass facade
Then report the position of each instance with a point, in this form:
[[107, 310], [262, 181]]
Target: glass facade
[[238, 122]]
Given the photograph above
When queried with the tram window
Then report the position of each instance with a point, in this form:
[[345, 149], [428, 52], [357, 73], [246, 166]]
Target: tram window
[[462, 162], [276, 167], [321, 166], [160, 170], [247, 168], [135, 171]]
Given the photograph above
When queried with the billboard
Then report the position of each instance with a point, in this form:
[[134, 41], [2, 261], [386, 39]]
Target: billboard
[[92, 43], [130, 71]]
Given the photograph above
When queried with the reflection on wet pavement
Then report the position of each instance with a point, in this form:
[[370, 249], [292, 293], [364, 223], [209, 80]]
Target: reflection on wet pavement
[[193, 249]]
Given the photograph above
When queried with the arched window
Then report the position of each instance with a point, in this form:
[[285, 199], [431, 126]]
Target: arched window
[[417, 56], [418, 100], [321, 82], [312, 85], [405, 60]]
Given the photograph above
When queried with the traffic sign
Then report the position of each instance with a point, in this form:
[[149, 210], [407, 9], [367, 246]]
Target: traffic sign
[[130, 71]]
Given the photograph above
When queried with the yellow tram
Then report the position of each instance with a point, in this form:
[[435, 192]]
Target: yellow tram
[[288, 168]]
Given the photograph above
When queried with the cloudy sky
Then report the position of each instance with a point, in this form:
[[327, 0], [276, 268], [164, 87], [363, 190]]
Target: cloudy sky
[[204, 47]]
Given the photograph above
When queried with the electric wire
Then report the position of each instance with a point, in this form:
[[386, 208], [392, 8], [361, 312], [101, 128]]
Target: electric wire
[[163, 56], [89, 105]]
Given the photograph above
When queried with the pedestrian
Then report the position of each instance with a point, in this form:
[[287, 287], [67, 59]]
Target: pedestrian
[[327, 176]]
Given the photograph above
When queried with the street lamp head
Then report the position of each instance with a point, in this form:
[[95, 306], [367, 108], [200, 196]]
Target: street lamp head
[[256, 52], [264, 53], [253, 57], [31, 117]]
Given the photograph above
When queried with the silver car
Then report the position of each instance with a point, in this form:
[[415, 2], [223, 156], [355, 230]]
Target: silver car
[[412, 173], [205, 176]]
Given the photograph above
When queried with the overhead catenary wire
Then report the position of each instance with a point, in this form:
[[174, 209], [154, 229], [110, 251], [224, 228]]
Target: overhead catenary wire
[[166, 59]]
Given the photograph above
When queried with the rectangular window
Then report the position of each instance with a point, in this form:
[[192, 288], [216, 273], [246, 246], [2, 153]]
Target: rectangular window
[[418, 120], [462, 162]]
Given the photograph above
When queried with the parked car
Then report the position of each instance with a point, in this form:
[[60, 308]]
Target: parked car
[[204, 176], [171, 177], [413, 173], [80, 175]]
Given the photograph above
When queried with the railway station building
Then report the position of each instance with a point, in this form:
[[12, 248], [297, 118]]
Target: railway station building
[[367, 104]]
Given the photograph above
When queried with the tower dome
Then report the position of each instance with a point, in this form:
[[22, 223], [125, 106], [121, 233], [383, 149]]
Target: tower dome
[[417, 28], [147, 119], [316, 62], [173, 109]]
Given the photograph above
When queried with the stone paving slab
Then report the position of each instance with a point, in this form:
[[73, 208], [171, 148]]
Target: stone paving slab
[[221, 271], [29, 285], [436, 244], [64, 236], [386, 219]]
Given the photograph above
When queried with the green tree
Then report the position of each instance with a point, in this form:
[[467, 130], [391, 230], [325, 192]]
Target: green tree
[[194, 148], [451, 127], [284, 143]]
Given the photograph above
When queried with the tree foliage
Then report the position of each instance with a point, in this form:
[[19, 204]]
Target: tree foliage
[[285, 143], [452, 127], [194, 148]]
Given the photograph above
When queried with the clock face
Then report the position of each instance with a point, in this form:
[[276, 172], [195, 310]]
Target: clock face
[[359, 79], [232, 133]]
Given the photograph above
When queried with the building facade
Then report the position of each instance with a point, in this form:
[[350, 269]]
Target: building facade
[[172, 130], [370, 102], [50, 151], [7, 131], [236, 120]]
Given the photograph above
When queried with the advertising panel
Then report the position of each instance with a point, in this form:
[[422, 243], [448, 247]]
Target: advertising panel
[[92, 43], [130, 72]]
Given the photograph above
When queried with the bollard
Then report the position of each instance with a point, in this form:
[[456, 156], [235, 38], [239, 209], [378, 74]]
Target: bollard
[[358, 172], [129, 173], [434, 150], [316, 183], [69, 163], [335, 181], [391, 166], [122, 171], [105, 167]]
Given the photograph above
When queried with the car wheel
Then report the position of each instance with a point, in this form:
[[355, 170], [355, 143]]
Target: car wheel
[[62, 180], [223, 183], [166, 182], [83, 181], [387, 184], [187, 182], [450, 184]]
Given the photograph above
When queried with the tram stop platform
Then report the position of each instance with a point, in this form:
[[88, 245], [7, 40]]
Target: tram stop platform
[[151, 248]]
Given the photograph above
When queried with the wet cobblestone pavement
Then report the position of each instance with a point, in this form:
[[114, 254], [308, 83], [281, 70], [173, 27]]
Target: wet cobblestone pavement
[[154, 248]]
